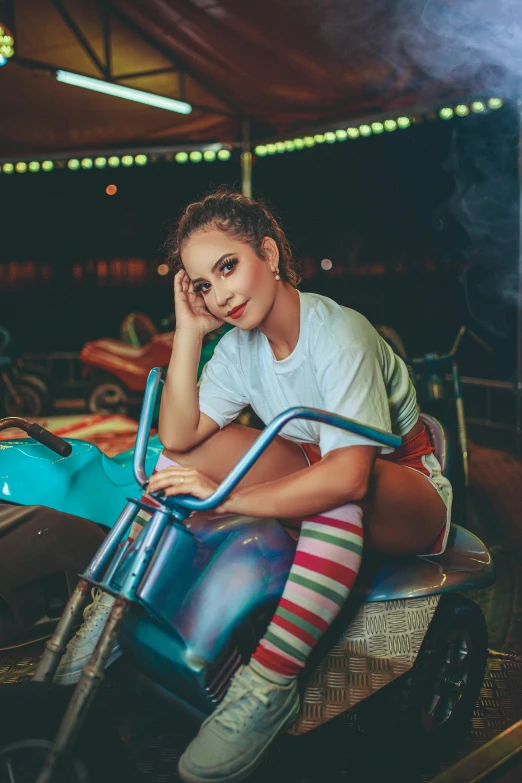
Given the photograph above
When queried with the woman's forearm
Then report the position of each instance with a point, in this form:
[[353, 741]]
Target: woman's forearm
[[309, 491], [179, 411]]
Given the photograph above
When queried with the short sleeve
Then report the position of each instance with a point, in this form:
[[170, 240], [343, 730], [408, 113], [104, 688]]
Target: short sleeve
[[352, 385], [222, 395]]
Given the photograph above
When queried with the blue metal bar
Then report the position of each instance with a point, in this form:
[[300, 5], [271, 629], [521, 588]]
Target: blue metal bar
[[142, 558], [107, 550], [265, 438], [118, 559], [142, 436]]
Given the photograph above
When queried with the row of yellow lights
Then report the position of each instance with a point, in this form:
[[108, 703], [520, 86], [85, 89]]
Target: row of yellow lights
[[74, 164], [6, 44], [330, 137]]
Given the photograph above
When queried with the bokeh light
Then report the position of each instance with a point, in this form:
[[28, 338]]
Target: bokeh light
[[111, 190], [326, 264], [461, 110], [163, 269]]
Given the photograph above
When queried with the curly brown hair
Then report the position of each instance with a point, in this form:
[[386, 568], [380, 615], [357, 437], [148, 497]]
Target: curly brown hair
[[246, 219]]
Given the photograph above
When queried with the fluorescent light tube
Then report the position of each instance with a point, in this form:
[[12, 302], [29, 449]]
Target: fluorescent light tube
[[119, 91]]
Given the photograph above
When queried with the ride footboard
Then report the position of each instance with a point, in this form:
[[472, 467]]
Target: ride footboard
[[380, 644]]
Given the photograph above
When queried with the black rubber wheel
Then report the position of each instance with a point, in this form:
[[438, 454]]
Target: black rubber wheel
[[431, 706], [30, 714], [33, 398], [107, 395], [44, 386]]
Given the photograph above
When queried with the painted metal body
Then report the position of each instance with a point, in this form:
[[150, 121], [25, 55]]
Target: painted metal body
[[130, 364], [200, 591], [205, 584], [193, 599], [87, 483]]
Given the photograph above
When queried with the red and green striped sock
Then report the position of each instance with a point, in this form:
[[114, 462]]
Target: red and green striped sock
[[325, 567]]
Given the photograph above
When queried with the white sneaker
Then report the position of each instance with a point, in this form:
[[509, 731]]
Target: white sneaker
[[81, 646], [231, 742]]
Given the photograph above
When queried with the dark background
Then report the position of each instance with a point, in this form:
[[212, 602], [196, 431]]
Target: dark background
[[421, 225]]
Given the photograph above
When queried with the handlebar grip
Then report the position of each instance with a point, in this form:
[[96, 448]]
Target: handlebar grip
[[53, 442]]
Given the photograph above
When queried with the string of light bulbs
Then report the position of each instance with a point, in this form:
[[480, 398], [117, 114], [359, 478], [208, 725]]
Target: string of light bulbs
[[369, 129]]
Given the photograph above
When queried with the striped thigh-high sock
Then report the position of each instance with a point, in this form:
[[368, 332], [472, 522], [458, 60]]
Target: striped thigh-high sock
[[143, 516], [325, 566]]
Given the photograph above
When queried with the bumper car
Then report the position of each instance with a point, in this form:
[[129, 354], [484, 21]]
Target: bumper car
[[193, 600]]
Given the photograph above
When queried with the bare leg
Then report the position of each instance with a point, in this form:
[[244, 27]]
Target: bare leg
[[403, 513], [217, 455]]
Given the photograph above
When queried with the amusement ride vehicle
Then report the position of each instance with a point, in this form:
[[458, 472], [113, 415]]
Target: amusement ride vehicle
[[193, 598]]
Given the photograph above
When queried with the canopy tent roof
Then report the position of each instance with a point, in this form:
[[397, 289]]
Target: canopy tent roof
[[282, 64]]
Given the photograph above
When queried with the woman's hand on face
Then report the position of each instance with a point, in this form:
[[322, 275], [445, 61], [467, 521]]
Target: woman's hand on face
[[191, 312]]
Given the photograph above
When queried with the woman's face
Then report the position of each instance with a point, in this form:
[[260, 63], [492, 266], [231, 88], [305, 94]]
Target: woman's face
[[234, 283]]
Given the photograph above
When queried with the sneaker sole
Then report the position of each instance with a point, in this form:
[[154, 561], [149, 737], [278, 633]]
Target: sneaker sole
[[235, 777], [71, 678]]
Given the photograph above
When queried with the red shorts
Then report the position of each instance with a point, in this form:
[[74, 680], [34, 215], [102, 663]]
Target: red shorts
[[416, 453]]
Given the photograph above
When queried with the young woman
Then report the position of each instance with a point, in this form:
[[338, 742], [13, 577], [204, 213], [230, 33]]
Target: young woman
[[289, 348]]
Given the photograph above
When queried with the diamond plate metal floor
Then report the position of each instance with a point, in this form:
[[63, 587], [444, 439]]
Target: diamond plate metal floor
[[338, 751]]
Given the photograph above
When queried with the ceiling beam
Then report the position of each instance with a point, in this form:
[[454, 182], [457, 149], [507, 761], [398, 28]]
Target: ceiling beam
[[139, 74], [84, 43], [154, 44], [106, 27]]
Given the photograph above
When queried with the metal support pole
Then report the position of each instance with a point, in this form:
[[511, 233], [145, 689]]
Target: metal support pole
[[246, 160], [518, 385]]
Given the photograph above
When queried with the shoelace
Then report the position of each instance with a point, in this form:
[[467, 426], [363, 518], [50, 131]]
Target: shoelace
[[246, 700], [90, 615], [89, 609]]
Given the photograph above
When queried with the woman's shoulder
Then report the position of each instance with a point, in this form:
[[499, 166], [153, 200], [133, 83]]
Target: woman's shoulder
[[337, 325], [234, 342]]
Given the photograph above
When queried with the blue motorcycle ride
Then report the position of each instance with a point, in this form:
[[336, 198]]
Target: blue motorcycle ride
[[193, 598]]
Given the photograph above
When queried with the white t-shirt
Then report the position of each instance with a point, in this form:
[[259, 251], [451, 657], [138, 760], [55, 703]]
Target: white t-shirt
[[340, 364]]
